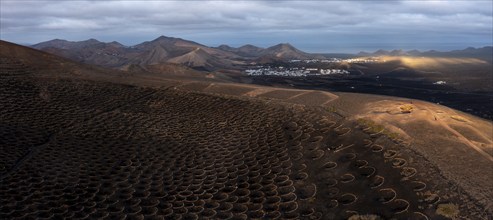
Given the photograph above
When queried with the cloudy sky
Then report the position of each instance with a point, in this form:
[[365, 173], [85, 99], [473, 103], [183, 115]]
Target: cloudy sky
[[313, 26]]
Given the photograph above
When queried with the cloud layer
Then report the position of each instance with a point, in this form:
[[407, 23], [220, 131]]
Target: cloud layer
[[316, 26]]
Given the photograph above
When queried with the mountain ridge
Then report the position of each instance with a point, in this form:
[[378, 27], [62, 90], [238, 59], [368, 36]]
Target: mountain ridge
[[164, 49], [400, 52]]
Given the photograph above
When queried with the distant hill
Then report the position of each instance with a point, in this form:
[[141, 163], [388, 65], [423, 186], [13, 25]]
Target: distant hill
[[64, 44], [159, 51], [390, 53], [89, 51], [287, 51], [284, 51], [149, 54], [247, 50], [483, 53]]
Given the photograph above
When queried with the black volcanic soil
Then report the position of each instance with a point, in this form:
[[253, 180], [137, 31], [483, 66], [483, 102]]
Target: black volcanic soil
[[95, 150], [476, 103]]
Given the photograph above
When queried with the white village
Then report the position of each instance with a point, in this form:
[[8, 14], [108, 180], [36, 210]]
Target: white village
[[293, 72]]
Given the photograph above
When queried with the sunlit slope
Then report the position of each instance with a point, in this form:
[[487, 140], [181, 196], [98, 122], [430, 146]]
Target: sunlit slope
[[433, 62]]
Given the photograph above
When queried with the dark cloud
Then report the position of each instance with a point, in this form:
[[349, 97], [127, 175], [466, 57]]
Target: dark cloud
[[311, 25]]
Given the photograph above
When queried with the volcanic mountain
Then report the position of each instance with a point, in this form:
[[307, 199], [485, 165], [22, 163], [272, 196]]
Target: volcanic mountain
[[69, 45], [284, 51], [287, 52], [151, 53], [176, 50], [247, 50], [91, 51], [164, 50], [174, 47], [115, 146], [58, 64]]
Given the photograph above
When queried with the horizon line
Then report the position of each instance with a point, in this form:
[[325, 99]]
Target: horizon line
[[335, 52]]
